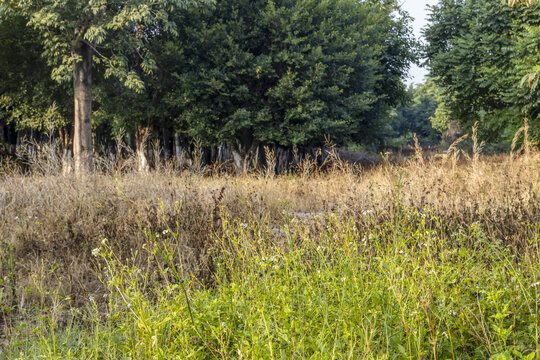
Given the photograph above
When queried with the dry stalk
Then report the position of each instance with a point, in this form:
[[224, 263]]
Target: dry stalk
[[156, 152], [270, 155], [477, 147], [526, 142], [453, 151], [418, 150], [333, 157], [197, 155]]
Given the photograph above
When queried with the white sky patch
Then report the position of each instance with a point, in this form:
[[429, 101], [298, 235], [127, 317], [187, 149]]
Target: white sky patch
[[417, 9]]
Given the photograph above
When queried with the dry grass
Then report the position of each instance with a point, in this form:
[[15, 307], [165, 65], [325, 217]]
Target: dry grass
[[54, 221]]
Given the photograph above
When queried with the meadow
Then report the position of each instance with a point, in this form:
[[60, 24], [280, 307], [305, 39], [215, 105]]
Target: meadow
[[422, 258]]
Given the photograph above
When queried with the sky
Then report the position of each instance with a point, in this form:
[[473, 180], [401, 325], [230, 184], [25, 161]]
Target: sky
[[417, 10]]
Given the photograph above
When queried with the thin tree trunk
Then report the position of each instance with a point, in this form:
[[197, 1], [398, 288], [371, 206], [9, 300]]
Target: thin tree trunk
[[82, 88], [177, 147], [13, 140], [67, 145], [165, 143], [141, 141]]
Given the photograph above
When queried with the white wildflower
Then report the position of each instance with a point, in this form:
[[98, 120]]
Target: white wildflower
[[96, 251]]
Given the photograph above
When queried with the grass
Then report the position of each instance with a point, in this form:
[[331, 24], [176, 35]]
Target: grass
[[430, 259]]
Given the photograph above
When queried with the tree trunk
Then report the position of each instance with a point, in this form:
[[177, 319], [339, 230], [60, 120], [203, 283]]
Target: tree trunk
[[244, 158], [141, 141], [282, 157], [67, 145], [177, 148], [82, 88], [3, 142], [13, 139], [165, 143]]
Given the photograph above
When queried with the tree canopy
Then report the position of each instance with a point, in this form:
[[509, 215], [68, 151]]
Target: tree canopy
[[482, 54], [242, 73], [290, 72]]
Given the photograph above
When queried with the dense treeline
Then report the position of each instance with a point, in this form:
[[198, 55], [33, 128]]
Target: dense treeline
[[239, 73], [485, 57]]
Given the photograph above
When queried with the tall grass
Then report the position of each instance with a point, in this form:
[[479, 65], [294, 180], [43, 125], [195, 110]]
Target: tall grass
[[422, 259], [399, 289]]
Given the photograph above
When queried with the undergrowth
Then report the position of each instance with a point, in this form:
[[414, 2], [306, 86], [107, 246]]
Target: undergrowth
[[393, 290], [430, 259]]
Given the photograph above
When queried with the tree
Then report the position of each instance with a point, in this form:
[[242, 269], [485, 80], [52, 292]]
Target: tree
[[76, 35], [147, 111], [289, 72], [478, 52], [416, 116], [29, 98]]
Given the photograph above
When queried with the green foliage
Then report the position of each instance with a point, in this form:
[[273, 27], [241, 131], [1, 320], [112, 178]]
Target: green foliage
[[284, 73], [289, 72], [119, 35], [418, 116], [28, 96], [484, 55], [400, 289], [108, 27]]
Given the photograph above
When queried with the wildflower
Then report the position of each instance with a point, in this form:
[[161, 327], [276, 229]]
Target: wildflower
[[96, 251], [535, 284], [165, 232], [16, 218], [91, 298], [104, 240], [452, 312]]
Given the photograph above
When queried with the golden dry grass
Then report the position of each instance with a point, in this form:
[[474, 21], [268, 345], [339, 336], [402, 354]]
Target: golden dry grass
[[53, 221]]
